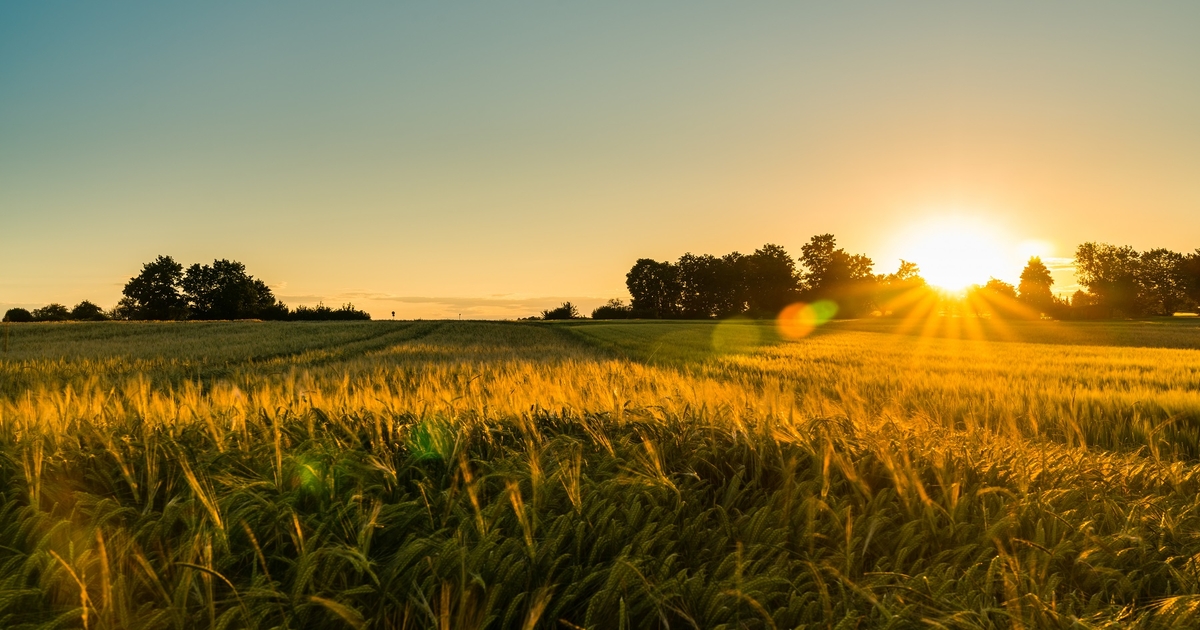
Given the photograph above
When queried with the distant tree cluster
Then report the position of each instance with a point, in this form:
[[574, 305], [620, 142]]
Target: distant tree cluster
[[1118, 281], [164, 290], [760, 284], [85, 311], [223, 290], [613, 309], [320, 312], [566, 310], [1032, 298]]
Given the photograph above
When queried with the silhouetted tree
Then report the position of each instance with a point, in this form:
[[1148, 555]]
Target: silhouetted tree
[[613, 309], [51, 313], [566, 310], [1110, 273], [654, 289], [833, 274], [277, 310], [996, 298], [17, 315], [320, 312], [733, 284], [761, 284], [817, 257], [125, 309], [224, 290], [1084, 305], [87, 311], [908, 274], [1190, 270], [154, 293], [771, 281], [699, 285], [1162, 282], [1001, 288], [903, 292], [1034, 289]]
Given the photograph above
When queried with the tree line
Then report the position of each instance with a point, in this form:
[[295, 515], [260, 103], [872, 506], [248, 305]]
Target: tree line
[[1120, 281], [760, 284], [84, 311], [1117, 281], [164, 290]]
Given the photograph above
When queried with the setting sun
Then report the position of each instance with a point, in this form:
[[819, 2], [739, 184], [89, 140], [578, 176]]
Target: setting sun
[[954, 254]]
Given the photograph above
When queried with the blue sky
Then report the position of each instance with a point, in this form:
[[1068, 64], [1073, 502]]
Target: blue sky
[[492, 160]]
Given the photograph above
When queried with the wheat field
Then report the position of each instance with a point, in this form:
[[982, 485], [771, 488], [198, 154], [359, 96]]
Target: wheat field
[[599, 475]]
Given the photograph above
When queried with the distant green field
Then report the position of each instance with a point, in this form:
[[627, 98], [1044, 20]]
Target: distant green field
[[692, 340], [945, 473]]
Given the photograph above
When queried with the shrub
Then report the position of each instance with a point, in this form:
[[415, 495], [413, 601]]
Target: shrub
[[87, 311], [566, 310], [18, 315], [275, 312], [613, 309], [320, 312], [51, 313]]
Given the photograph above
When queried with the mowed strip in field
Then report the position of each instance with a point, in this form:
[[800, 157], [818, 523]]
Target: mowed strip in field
[[636, 474]]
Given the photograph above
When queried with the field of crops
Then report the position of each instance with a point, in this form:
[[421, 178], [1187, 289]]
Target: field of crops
[[954, 474]]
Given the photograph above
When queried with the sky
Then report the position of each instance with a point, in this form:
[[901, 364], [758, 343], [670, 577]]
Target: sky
[[494, 159]]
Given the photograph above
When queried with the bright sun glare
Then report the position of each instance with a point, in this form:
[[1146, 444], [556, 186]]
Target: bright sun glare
[[954, 255]]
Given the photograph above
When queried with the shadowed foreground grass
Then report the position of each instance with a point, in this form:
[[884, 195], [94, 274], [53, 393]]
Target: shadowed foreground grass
[[459, 475]]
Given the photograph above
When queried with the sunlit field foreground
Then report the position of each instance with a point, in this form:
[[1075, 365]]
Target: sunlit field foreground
[[592, 475]]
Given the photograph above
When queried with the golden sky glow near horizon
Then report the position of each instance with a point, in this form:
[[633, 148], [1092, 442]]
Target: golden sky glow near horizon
[[493, 161], [957, 250], [952, 254]]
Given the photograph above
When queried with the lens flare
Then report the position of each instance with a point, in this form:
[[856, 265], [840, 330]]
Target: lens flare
[[431, 441], [735, 334], [800, 319]]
